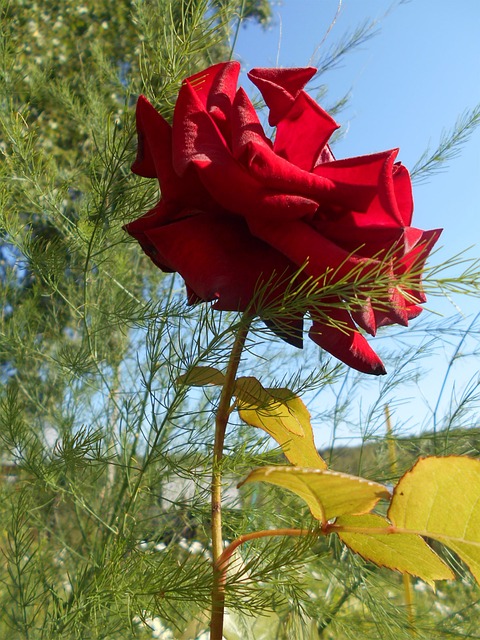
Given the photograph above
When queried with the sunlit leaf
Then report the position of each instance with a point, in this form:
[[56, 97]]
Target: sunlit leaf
[[267, 408], [327, 493], [440, 498], [251, 396], [405, 552], [286, 418], [201, 377]]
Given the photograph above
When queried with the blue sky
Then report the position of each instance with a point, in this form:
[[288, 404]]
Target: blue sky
[[407, 84]]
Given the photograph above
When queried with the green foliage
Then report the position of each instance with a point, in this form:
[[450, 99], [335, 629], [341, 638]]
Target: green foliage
[[449, 146], [105, 458]]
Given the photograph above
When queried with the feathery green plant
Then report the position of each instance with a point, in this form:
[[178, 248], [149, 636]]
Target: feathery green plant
[[105, 459]]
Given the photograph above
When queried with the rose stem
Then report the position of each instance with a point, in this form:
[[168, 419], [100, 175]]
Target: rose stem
[[220, 572], [221, 420]]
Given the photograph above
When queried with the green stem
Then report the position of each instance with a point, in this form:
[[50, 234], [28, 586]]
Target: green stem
[[237, 29], [221, 420], [409, 602], [337, 606]]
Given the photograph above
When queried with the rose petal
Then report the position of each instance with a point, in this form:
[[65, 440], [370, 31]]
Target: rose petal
[[216, 88], [303, 245], [341, 338], [138, 229], [192, 297], [411, 311], [154, 141], [246, 127], [365, 317], [413, 262], [403, 192], [289, 329], [198, 141], [396, 313], [365, 241], [154, 160], [373, 171], [252, 148], [394, 202], [304, 132], [219, 260], [280, 87]]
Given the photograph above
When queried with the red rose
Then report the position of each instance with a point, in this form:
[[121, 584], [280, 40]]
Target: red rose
[[237, 210]]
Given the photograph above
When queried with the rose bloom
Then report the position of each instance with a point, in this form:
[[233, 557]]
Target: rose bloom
[[238, 210]]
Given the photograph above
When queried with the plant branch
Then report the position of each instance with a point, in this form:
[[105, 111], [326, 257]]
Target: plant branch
[[451, 142], [221, 420], [220, 572], [338, 605], [224, 559]]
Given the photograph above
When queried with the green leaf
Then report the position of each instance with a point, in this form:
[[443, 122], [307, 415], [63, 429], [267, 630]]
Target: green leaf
[[440, 498], [405, 552], [327, 493], [283, 416], [201, 377]]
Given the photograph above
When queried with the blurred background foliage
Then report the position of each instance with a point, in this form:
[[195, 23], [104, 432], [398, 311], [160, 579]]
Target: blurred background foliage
[[104, 460]]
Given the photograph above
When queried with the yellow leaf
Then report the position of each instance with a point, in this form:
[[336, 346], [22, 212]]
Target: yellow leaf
[[405, 552], [284, 417], [201, 377], [254, 398], [249, 390], [327, 493], [440, 498]]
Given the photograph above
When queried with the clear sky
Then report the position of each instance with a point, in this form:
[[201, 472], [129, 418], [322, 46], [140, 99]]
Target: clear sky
[[408, 83]]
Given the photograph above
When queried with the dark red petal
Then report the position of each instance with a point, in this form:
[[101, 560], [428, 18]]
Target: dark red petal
[[138, 229], [411, 311], [280, 87], [395, 311], [394, 202], [387, 196], [419, 244], [216, 87], [197, 140], [289, 329], [154, 159], [192, 297], [220, 260], [341, 338], [365, 317], [302, 245], [245, 126], [195, 134], [304, 132], [236, 190], [403, 193], [277, 173], [157, 216], [367, 242], [374, 173], [253, 149], [154, 140]]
